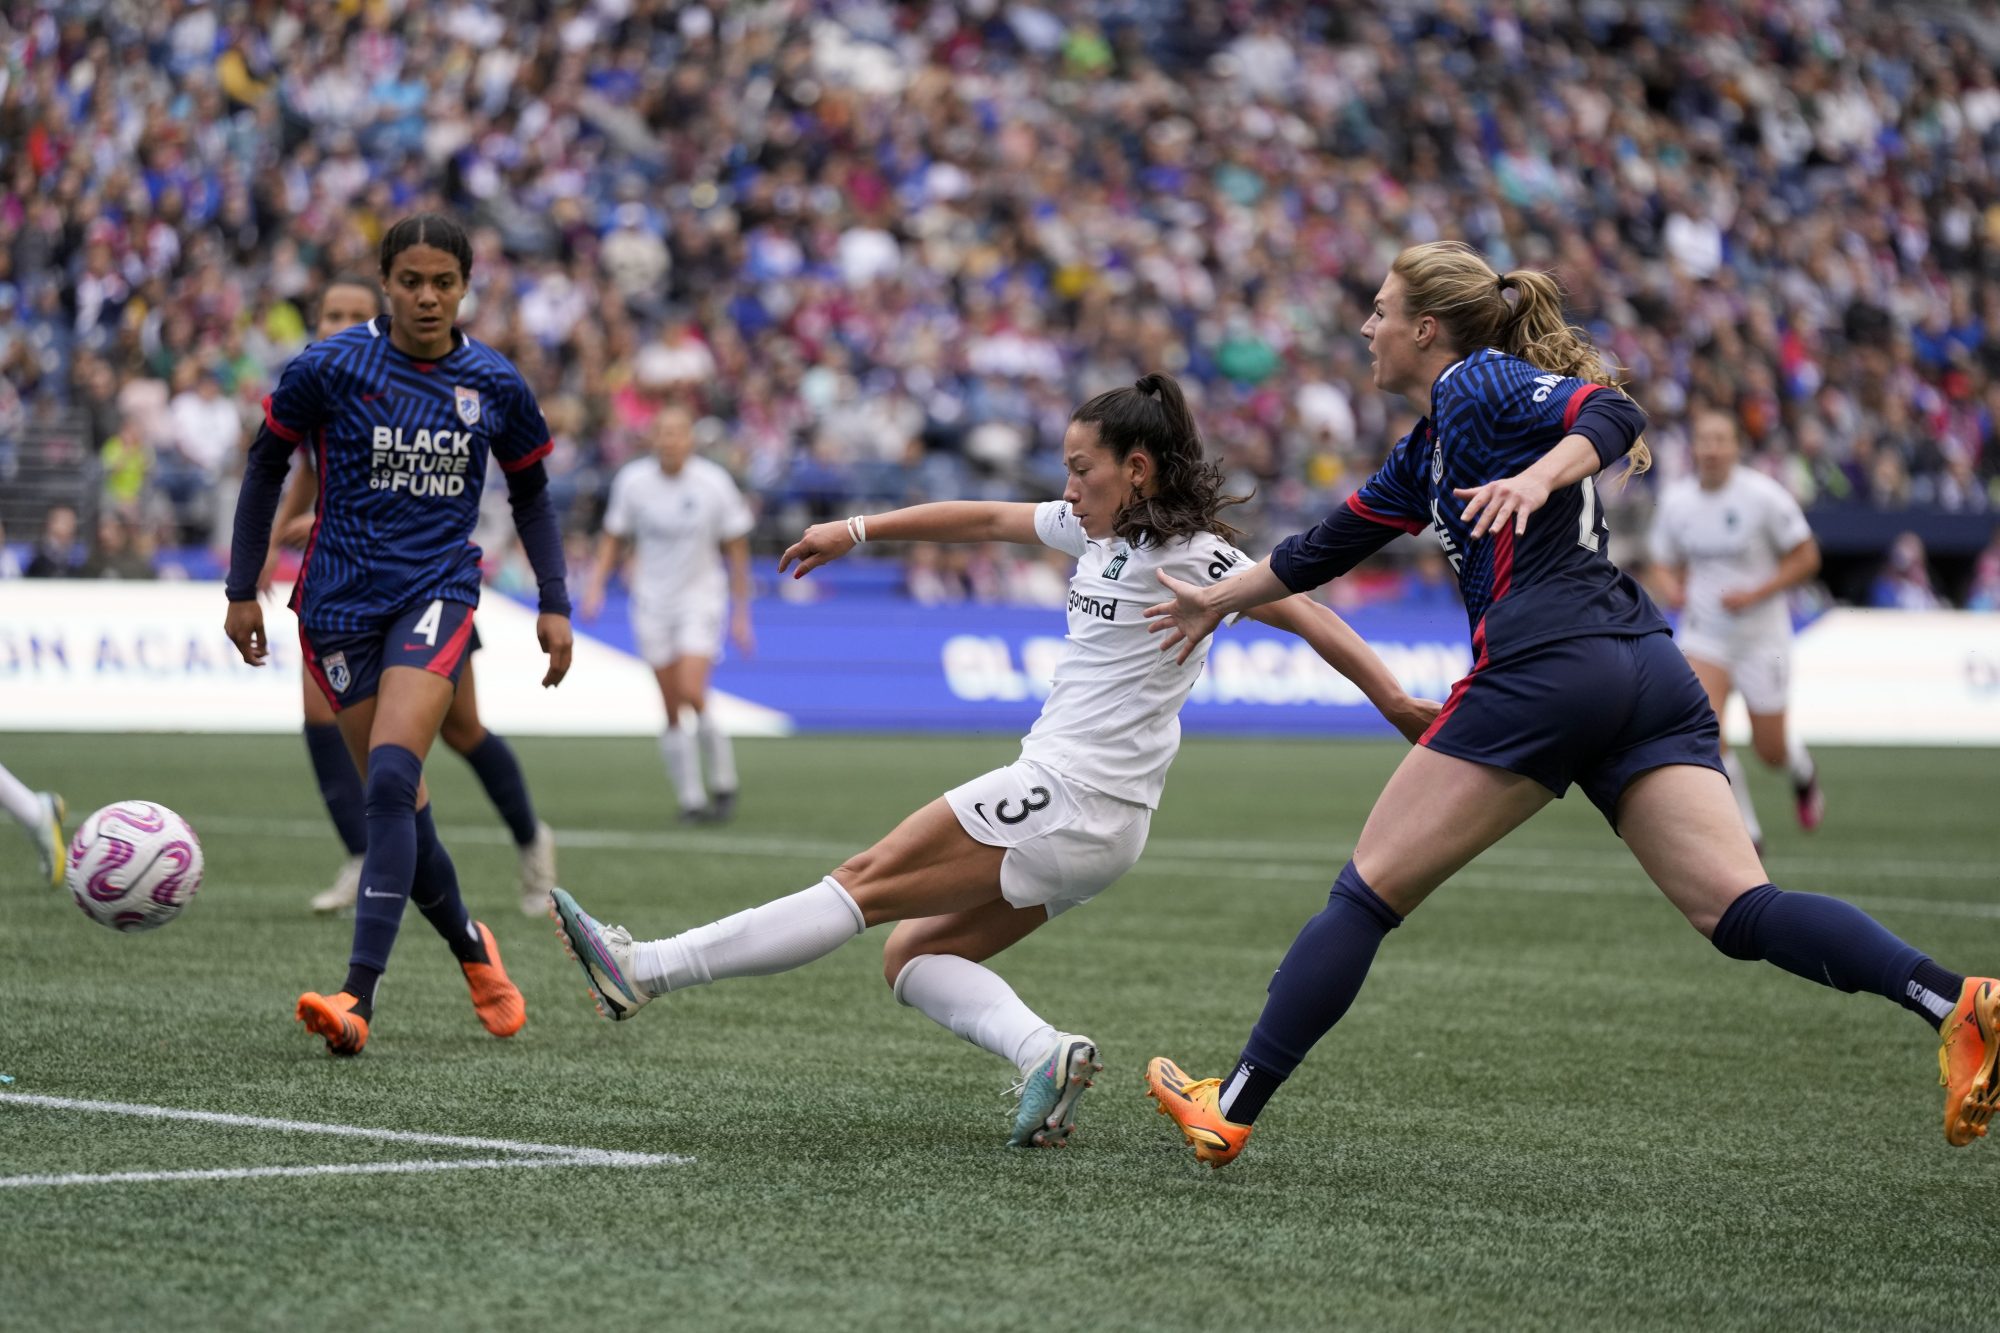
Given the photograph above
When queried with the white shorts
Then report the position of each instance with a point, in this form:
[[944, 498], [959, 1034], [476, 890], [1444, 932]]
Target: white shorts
[[677, 632], [1065, 844], [1759, 669]]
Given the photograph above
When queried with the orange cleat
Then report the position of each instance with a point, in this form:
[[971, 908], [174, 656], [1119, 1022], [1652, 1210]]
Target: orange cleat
[[1968, 1053], [495, 999], [1192, 1105], [333, 1017]]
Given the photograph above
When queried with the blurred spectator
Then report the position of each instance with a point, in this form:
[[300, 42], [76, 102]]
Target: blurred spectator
[[1905, 581], [1984, 594], [118, 553], [10, 564], [55, 549]]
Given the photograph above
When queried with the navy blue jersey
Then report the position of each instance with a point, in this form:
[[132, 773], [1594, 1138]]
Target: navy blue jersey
[[401, 448], [1492, 416]]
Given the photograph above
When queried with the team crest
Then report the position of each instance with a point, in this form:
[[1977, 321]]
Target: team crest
[[1116, 567], [468, 404], [1437, 462], [335, 666]]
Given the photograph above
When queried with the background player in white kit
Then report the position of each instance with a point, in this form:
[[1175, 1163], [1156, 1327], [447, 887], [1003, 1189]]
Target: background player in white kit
[[980, 867], [1727, 543], [682, 514]]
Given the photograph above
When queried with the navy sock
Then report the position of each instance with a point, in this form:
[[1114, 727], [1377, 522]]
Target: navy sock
[[339, 785], [435, 892], [1312, 988], [500, 773], [1838, 945], [390, 864], [360, 984]]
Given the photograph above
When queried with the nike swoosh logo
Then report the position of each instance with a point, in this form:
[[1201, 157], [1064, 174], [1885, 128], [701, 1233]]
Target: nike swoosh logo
[[370, 893], [979, 808]]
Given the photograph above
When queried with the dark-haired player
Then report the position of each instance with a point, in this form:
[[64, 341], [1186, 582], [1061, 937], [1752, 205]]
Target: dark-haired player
[[1575, 680], [347, 301], [980, 867], [401, 413]]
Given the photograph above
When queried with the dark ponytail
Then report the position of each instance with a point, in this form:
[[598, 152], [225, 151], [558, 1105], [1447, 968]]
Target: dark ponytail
[[1187, 495], [432, 229]]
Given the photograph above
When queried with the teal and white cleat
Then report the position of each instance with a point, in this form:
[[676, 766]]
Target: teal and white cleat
[[48, 835], [605, 955], [1049, 1095]]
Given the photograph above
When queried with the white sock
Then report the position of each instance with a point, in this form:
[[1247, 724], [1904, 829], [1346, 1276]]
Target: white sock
[[683, 767], [776, 937], [975, 1004], [1733, 766], [716, 752], [1798, 762], [18, 801]]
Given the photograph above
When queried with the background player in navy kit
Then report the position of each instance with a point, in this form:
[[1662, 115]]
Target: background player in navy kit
[[348, 301], [1575, 680], [401, 412], [993, 859]]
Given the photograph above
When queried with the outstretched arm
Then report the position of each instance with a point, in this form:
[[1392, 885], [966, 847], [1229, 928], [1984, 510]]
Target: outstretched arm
[[1349, 654], [944, 521]]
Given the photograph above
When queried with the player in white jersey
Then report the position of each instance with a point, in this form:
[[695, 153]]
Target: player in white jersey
[[682, 514], [980, 867], [1727, 544]]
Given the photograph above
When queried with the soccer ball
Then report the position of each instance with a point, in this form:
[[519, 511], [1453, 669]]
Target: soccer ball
[[134, 866]]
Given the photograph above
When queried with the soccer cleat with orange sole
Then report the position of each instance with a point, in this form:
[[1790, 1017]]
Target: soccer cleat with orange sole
[[333, 1017], [1191, 1104], [1969, 1061], [495, 999]]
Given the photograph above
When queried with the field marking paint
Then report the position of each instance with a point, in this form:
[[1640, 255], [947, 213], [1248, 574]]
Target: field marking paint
[[523, 1154], [1199, 858]]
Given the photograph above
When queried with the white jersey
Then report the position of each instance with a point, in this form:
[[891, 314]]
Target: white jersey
[[677, 525], [1730, 539], [1112, 718]]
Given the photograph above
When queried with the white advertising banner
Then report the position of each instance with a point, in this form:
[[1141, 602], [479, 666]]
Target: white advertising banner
[[1894, 678], [115, 656]]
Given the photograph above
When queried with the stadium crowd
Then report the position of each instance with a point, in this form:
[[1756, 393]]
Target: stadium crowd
[[884, 249]]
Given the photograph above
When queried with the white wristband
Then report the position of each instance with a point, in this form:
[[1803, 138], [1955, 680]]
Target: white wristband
[[857, 528]]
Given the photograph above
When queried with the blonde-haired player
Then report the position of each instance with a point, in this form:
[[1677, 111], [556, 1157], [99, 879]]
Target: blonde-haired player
[[681, 514], [1728, 543]]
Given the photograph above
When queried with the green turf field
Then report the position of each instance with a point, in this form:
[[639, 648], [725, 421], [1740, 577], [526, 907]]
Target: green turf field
[[1553, 1107]]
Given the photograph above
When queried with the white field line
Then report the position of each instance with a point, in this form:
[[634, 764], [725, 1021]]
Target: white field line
[[1237, 853], [524, 1154], [259, 1172]]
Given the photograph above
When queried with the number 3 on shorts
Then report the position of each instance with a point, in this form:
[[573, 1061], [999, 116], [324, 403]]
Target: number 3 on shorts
[[428, 625], [1038, 798]]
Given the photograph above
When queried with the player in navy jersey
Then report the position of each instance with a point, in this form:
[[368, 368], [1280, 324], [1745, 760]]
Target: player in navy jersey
[[1575, 679], [346, 302], [401, 414]]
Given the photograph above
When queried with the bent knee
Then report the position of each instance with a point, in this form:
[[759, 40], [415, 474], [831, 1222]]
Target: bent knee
[[463, 737]]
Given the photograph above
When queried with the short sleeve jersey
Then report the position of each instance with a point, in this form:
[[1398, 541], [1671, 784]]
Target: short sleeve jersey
[[401, 448], [1112, 718], [677, 525], [1493, 415], [1729, 539]]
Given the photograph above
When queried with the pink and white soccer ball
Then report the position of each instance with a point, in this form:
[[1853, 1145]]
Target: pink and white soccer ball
[[134, 866]]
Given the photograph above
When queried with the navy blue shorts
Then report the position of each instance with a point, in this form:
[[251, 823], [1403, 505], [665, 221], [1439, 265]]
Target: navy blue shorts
[[435, 636], [1596, 711]]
